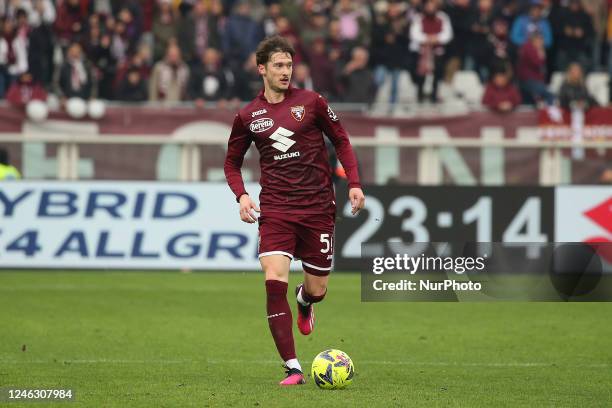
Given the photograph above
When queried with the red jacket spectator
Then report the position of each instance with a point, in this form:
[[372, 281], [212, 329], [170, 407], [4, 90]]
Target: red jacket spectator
[[500, 94], [322, 69], [532, 61], [25, 90], [71, 19]]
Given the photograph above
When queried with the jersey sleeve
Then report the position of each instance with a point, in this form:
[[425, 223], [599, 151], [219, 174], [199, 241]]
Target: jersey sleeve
[[239, 142], [330, 124]]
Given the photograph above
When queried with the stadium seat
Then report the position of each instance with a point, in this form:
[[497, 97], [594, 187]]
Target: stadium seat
[[597, 84], [556, 80], [407, 89], [406, 92], [468, 86]]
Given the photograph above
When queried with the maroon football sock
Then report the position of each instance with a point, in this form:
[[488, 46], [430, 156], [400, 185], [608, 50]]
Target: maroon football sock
[[310, 298], [280, 319]]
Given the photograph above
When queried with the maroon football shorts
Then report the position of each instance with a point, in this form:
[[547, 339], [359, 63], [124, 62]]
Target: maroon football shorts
[[302, 236]]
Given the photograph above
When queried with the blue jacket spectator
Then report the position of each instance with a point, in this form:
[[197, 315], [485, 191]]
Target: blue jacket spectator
[[525, 25], [242, 34]]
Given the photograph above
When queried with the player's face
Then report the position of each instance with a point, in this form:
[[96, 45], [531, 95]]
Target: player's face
[[277, 71]]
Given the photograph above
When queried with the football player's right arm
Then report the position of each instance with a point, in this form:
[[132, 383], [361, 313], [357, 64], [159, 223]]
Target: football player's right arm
[[239, 142]]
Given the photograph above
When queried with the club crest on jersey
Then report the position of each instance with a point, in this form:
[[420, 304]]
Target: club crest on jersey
[[298, 112], [261, 125]]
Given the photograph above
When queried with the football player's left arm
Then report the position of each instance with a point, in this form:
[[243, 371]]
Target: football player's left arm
[[237, 146], [330, 125]]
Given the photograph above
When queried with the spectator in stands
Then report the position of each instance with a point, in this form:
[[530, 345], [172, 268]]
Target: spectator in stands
[[133, 87], [322, 69], [38, 11], [209, 81], [389, 44], [120, 45], [164, 28], [135, 21], [169, 78], [357, 78], [339, 49], [75, 79], [24, 90], [241, 36], [269, 21], [576, 37], [301, 77], [140, 61], [131, 27], [599, 10], [7, 171], [298, 12], [574, 93], [461, 15], [283, 27], [71, 21], [104, 63], [353, 18], [13, 51], [500, 51], [103, 7], [94, 31], [248, 80], [507, 10], [198, 31], [429, 34], [531, 71], [480, 30], [316, 26], [145, 16], [41, 46], [501, 95], [527, 24], [5, 78]]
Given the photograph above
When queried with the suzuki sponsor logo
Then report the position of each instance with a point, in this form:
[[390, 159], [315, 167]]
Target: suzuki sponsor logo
[[282, 141], [286, 155], [261, 125]]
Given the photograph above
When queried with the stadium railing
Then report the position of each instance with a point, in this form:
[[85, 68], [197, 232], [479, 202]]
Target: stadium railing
[[550, 152]]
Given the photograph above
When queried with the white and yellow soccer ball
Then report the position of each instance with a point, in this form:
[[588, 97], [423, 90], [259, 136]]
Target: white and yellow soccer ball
[[332, 369]]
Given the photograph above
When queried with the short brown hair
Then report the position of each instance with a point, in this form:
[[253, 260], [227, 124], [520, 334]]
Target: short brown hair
[[269, 46]]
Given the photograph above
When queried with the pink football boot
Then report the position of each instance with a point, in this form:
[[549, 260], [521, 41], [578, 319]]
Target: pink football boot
[[305, 315], [294, 377]]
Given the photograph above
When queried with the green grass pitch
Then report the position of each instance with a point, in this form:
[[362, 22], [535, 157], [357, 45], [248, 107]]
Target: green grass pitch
[[163, 339]]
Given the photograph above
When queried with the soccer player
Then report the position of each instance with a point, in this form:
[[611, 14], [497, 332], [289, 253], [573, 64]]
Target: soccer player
[[297, 197]]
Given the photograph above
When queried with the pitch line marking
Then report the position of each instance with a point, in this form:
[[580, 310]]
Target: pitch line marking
[[362, 362], [428, 363]]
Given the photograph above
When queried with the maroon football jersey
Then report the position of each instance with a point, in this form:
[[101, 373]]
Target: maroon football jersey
[[295, 171]]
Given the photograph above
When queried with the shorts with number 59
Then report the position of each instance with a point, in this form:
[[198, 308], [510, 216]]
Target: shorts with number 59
[[305, 236]]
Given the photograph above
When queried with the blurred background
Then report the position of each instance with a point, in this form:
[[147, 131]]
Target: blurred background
[[430, 73], [482, 94]]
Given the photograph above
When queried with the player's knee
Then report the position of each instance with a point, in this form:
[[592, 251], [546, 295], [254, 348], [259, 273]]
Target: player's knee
[[274, 272], [320, 291], [317, 289], [275, 269]]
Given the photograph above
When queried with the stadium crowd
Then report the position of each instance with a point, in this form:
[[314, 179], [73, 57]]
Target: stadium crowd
[[203, 50]]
